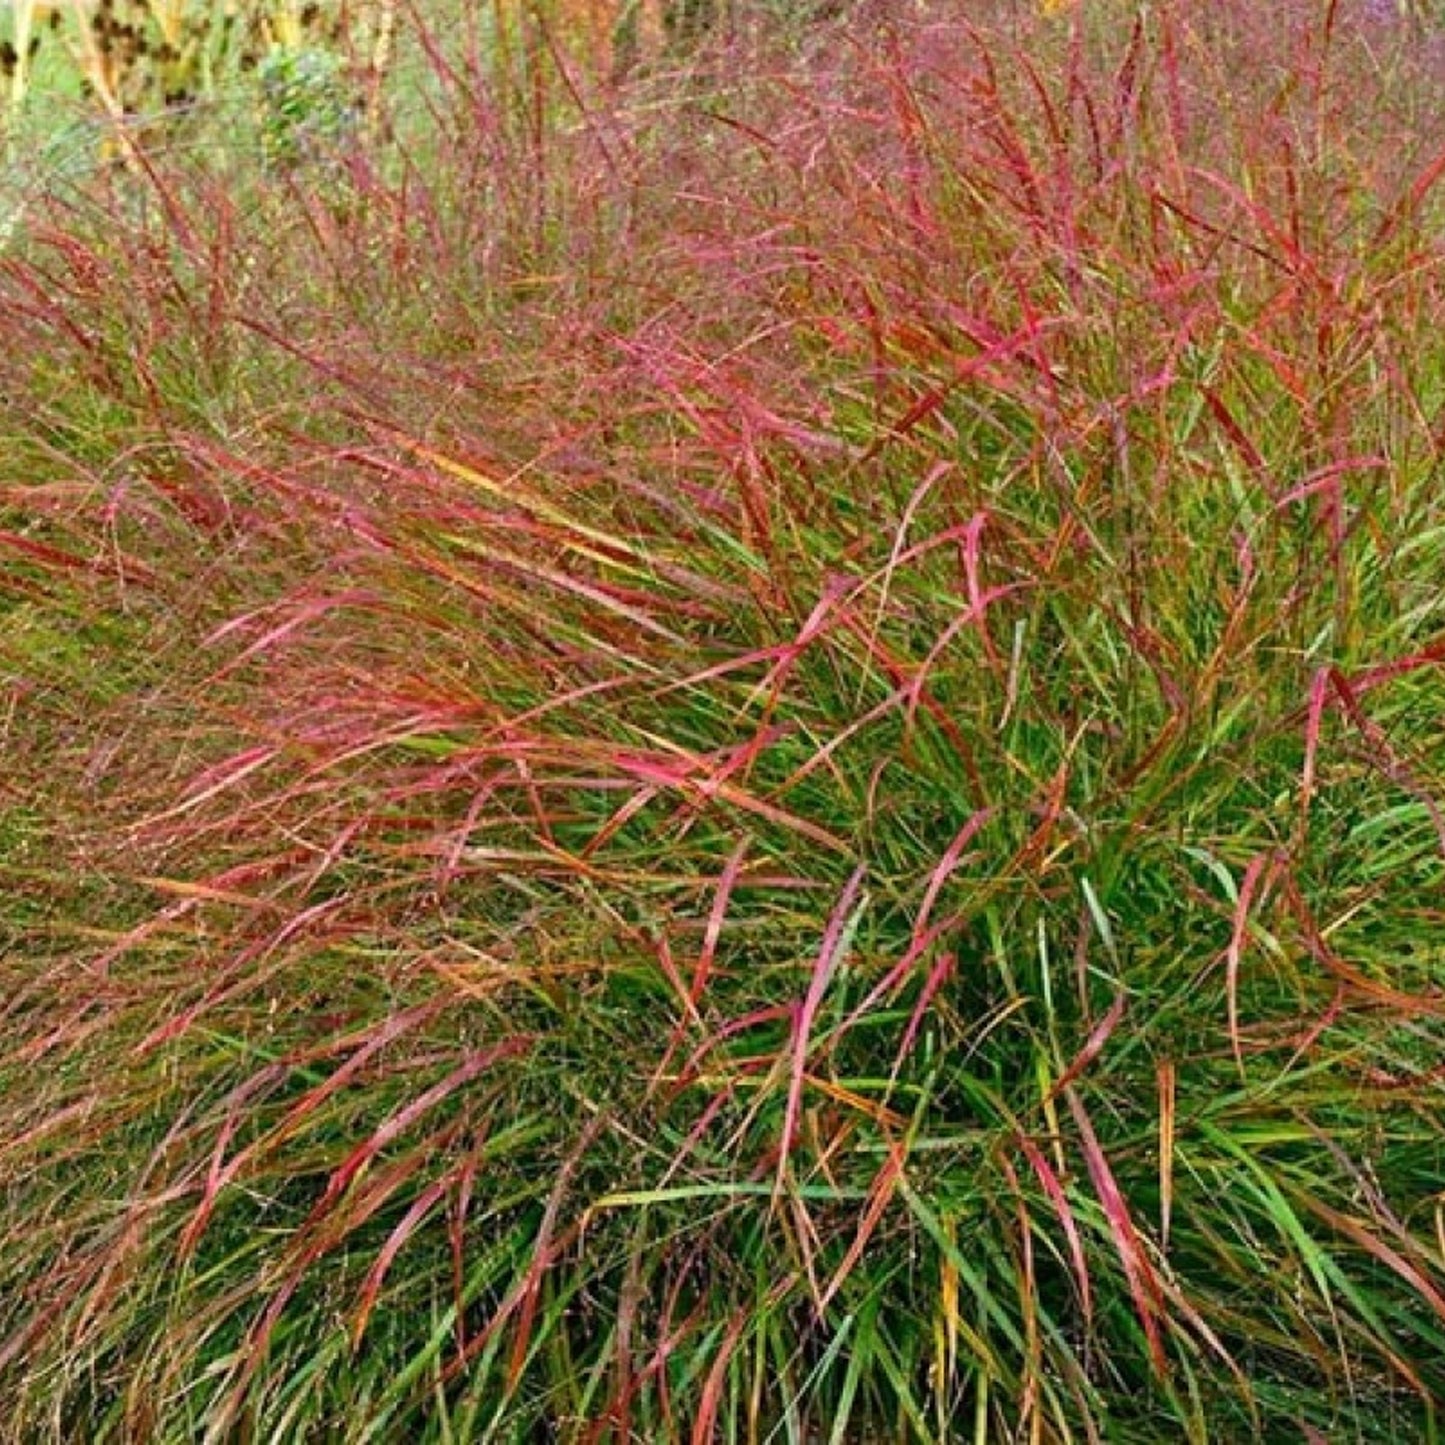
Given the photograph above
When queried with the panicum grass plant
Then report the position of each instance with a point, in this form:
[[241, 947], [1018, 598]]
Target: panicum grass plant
[[752, 754]]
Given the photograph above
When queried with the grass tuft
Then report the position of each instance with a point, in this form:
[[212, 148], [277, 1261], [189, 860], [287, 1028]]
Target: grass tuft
[[750, 750]]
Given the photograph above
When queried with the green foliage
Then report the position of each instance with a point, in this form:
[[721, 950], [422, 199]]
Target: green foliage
[[307, 108]]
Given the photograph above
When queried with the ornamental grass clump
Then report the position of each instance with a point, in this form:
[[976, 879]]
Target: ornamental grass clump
[[755, 755]]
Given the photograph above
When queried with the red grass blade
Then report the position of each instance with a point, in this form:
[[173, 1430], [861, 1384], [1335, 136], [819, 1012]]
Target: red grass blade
[[1143, 1286], [844, 919], [1064, 1210], [1257, 878]]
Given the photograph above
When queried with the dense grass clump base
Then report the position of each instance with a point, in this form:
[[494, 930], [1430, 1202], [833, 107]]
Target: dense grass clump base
[[751, 753]]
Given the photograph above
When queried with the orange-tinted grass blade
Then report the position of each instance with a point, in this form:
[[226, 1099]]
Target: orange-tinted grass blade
[[880, 1195], [511, 490], [1165, 1074]]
